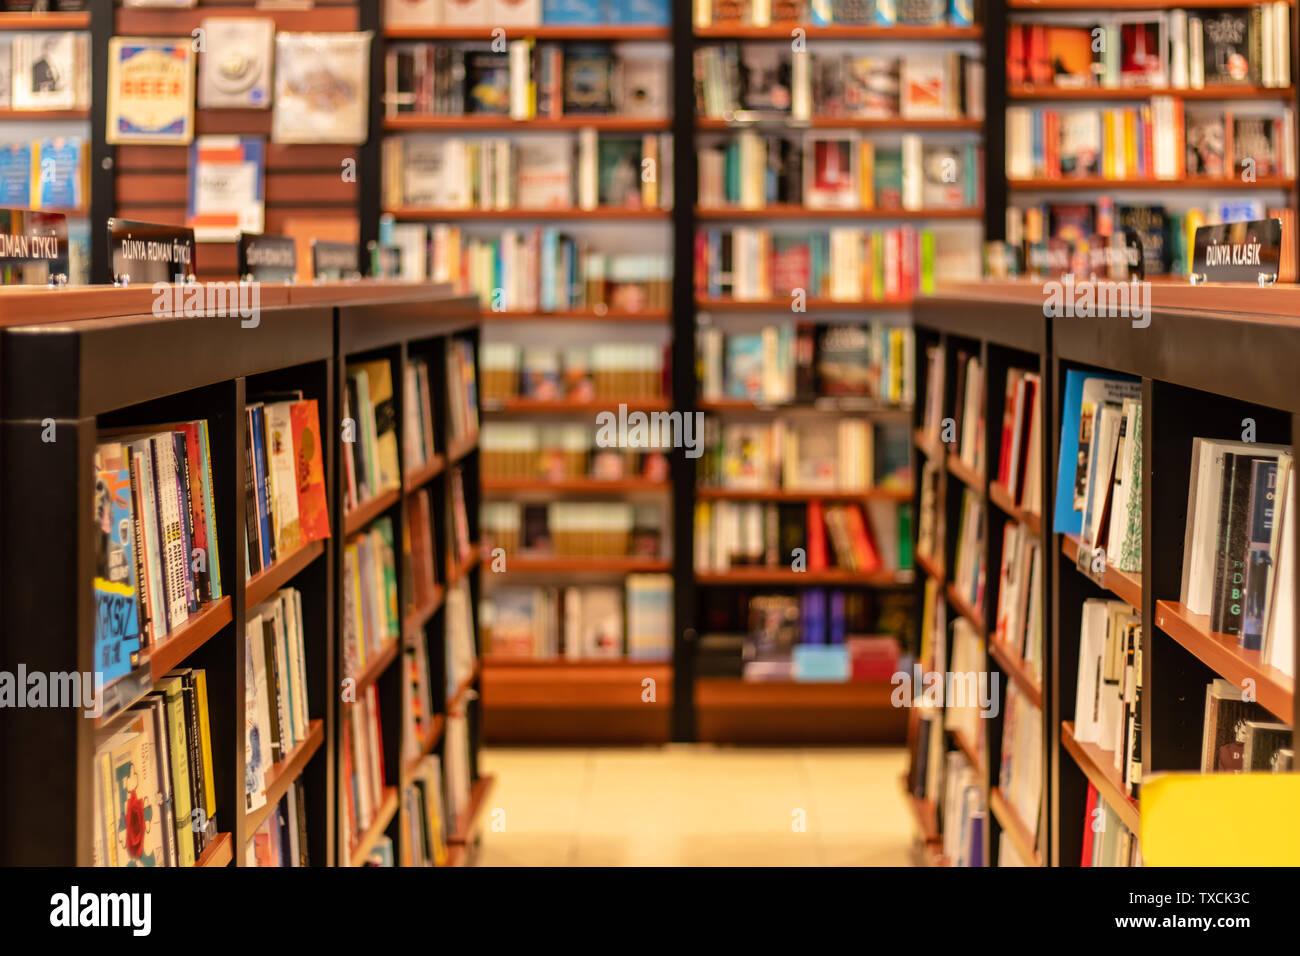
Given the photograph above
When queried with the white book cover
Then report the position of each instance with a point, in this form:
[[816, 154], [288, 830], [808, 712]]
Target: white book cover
[[515, 13], [254, 766], [467, 13], [413, 13], [1279, 648], [641, 86], [45, 71], [1087, 718], [545, 172], [235, 63], [321, 88]]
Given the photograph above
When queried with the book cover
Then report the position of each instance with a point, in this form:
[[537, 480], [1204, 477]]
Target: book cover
[[321, 88], [150, 90], [619, 173], [830, 173], [44, 71], [15, 175], [1226, 45], [588, 79], [226, 187], [313, 507], [117, 622], [1207, 143], [235, 66]]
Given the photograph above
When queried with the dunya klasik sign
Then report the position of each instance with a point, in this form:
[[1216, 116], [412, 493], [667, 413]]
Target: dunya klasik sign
[[1238, 252]]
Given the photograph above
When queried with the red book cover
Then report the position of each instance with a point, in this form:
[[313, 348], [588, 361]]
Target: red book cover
[[872, 657], [816, 537], [1016, 53], [1040, 65], [313, 510], [1027, 424], [379, 741], [1089, 805], [868, 556], [701, 264], [348, 777], [198, 519], [1008, 415]]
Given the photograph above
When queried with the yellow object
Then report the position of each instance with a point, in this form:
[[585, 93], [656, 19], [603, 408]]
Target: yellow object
[[1222, 819]]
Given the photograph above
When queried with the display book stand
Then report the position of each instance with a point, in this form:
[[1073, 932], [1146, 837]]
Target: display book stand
[[1211, 356], [104, 362]]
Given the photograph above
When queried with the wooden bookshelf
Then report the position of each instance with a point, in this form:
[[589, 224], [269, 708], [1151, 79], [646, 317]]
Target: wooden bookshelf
[[1019, 672], [458, 570], [456, 702], [840, 404], [788, 578], [1201, 183], [420, 475], [375, 666], [198, 629], [417, 213], [24, 116], [591, 565], [882, 124], [1125, 585], [806, 213], [1014, 827], [1006, 503], [459, 448], [968, 748], [367, 511], [813, 305], [408, 122], [931, 449], [782, 31], [1274, 690], [281, 775], [49, 20], [963, 607], [271, 579], [562, 406], [437, 724], [968, 476], [733, 710], [218, 853], [1215, 92], [585, 486], [1099, 767], [1091, 5], [416, 618], [928, 565], [384, 816], [464, 832], [705, 493], [579, 315], [603, 31]]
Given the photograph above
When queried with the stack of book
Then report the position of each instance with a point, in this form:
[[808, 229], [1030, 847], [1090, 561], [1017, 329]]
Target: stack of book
[[281, 840], [968, 576], [426, 822], [965, 813], [533, 452], [1240, 736], [838, 171], [587, 372], [417, 697], [275, 665], [418, 423], [811, 537], [1108, 698], [1020, 466], [1106, 840], [1020, 773], [369, 583], [284, 485], [527, 81], [806, 361], [843, 264], [362, 773], [574, 529], [539, 270], [370, 443], [1237, 558], [462, 390], [154, 798], [1250, 46], [443, 174], [806, 454], [583, 622]]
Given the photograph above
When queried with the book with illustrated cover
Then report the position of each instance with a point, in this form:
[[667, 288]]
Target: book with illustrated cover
[[588, 78], [49, 71], [1152, 227], [1257, 138], [925, 87], [1070, 56], [226, 187], [321, 87], [1143, 55], [766, 78], [830, 172], [235, 66], [544, 167], [1207, 142], [1227, 716], [642, 86], [6, 74], [920, 13], [15, 175], [1227, 40], [487, 83], [619, 172], [150, 90], [870, 85], [59, 173], [942, 182]]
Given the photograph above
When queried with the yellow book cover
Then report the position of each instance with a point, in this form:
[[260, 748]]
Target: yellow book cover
[[205, 739], [380, 375], [178, 747], [1108, 144], [867, 173], [1130, 144]]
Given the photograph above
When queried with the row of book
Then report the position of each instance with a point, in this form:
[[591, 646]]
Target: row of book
[[154, 797], [362, 772], [1020, 771], [1237, 553], [558, 452], [1167, 234], [1110, 473], [805, 453], [586, 372], [1179, 49], [276, 715], [839, 171], [422, 811], [1108, 695], [968, 550], [524, 13], [370, 613], [1160, 140], [462, 390], [1106, 840], [844, 264], [420, 570], [50, 173], [1018, 627], [535, 270], [418, 426], [1020, 465], [460, 647], [528, 81], [156, 556], [824, 13], [867, 539], [285, 506], [574, 529], [582, 622], [963, 431], [44, 72], [370, 459], [1240, 736], [805, 361], [281, 840], [585, 171], [771, 81]]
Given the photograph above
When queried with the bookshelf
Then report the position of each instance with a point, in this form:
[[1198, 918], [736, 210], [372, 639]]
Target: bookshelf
[[1001, 341], [1206, 362], [103, 361]]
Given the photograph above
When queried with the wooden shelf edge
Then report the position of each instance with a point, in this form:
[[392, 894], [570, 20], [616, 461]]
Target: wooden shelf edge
[[375, 666], [965, 609], [1125, 585], [270, 579], [1103, 776], [419, 617], [201, 627], [370, 509], [220, 851], [1018, 671], [417, 478], [407, 213], [928, 565], [477, 801], [784, 494], [1012, 824], [367, 840], [1274, 690], [784, 577], [967, 747], [1001, 496], [606, 566], [457, 700], [456, 571], [575, 485], [428, 742], [964, 473], [281, 775]]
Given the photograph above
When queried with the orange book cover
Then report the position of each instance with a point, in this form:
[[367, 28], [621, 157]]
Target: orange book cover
[[868, 556], [313, 510], [816, 537]]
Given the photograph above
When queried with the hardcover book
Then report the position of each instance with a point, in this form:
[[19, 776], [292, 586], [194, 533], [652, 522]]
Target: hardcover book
[[1227, 48], [47, 70], [588, 78], [235, 68], [150, 90], [321, 87]]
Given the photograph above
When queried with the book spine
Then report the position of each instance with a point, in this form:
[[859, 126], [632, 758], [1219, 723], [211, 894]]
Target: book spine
[[209, 512], [184, 505], [252, 537]]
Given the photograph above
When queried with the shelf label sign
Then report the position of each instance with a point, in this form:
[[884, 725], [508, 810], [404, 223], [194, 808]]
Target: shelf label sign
[[1238, 252], [334, 260], [264, 258], [148, 252], [33, 247]]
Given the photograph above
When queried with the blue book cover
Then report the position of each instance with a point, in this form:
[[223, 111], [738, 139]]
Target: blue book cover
[[16, 175], [820, 662], [1082, 388], [549, 270], [838, 623], [745, 366], [962, 13], [814, 616], [259, 476], [644, 13], [117, 623], [570, 12]]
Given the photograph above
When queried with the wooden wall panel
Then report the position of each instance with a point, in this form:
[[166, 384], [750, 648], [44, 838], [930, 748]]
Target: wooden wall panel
[[303, 182]]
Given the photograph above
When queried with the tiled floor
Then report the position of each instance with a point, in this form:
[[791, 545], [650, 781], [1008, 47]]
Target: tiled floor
[[696, 805]]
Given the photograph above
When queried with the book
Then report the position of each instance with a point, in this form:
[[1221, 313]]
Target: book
[[150, 91], [321, 88], [49, 71], [226, 187], [235, 65]]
